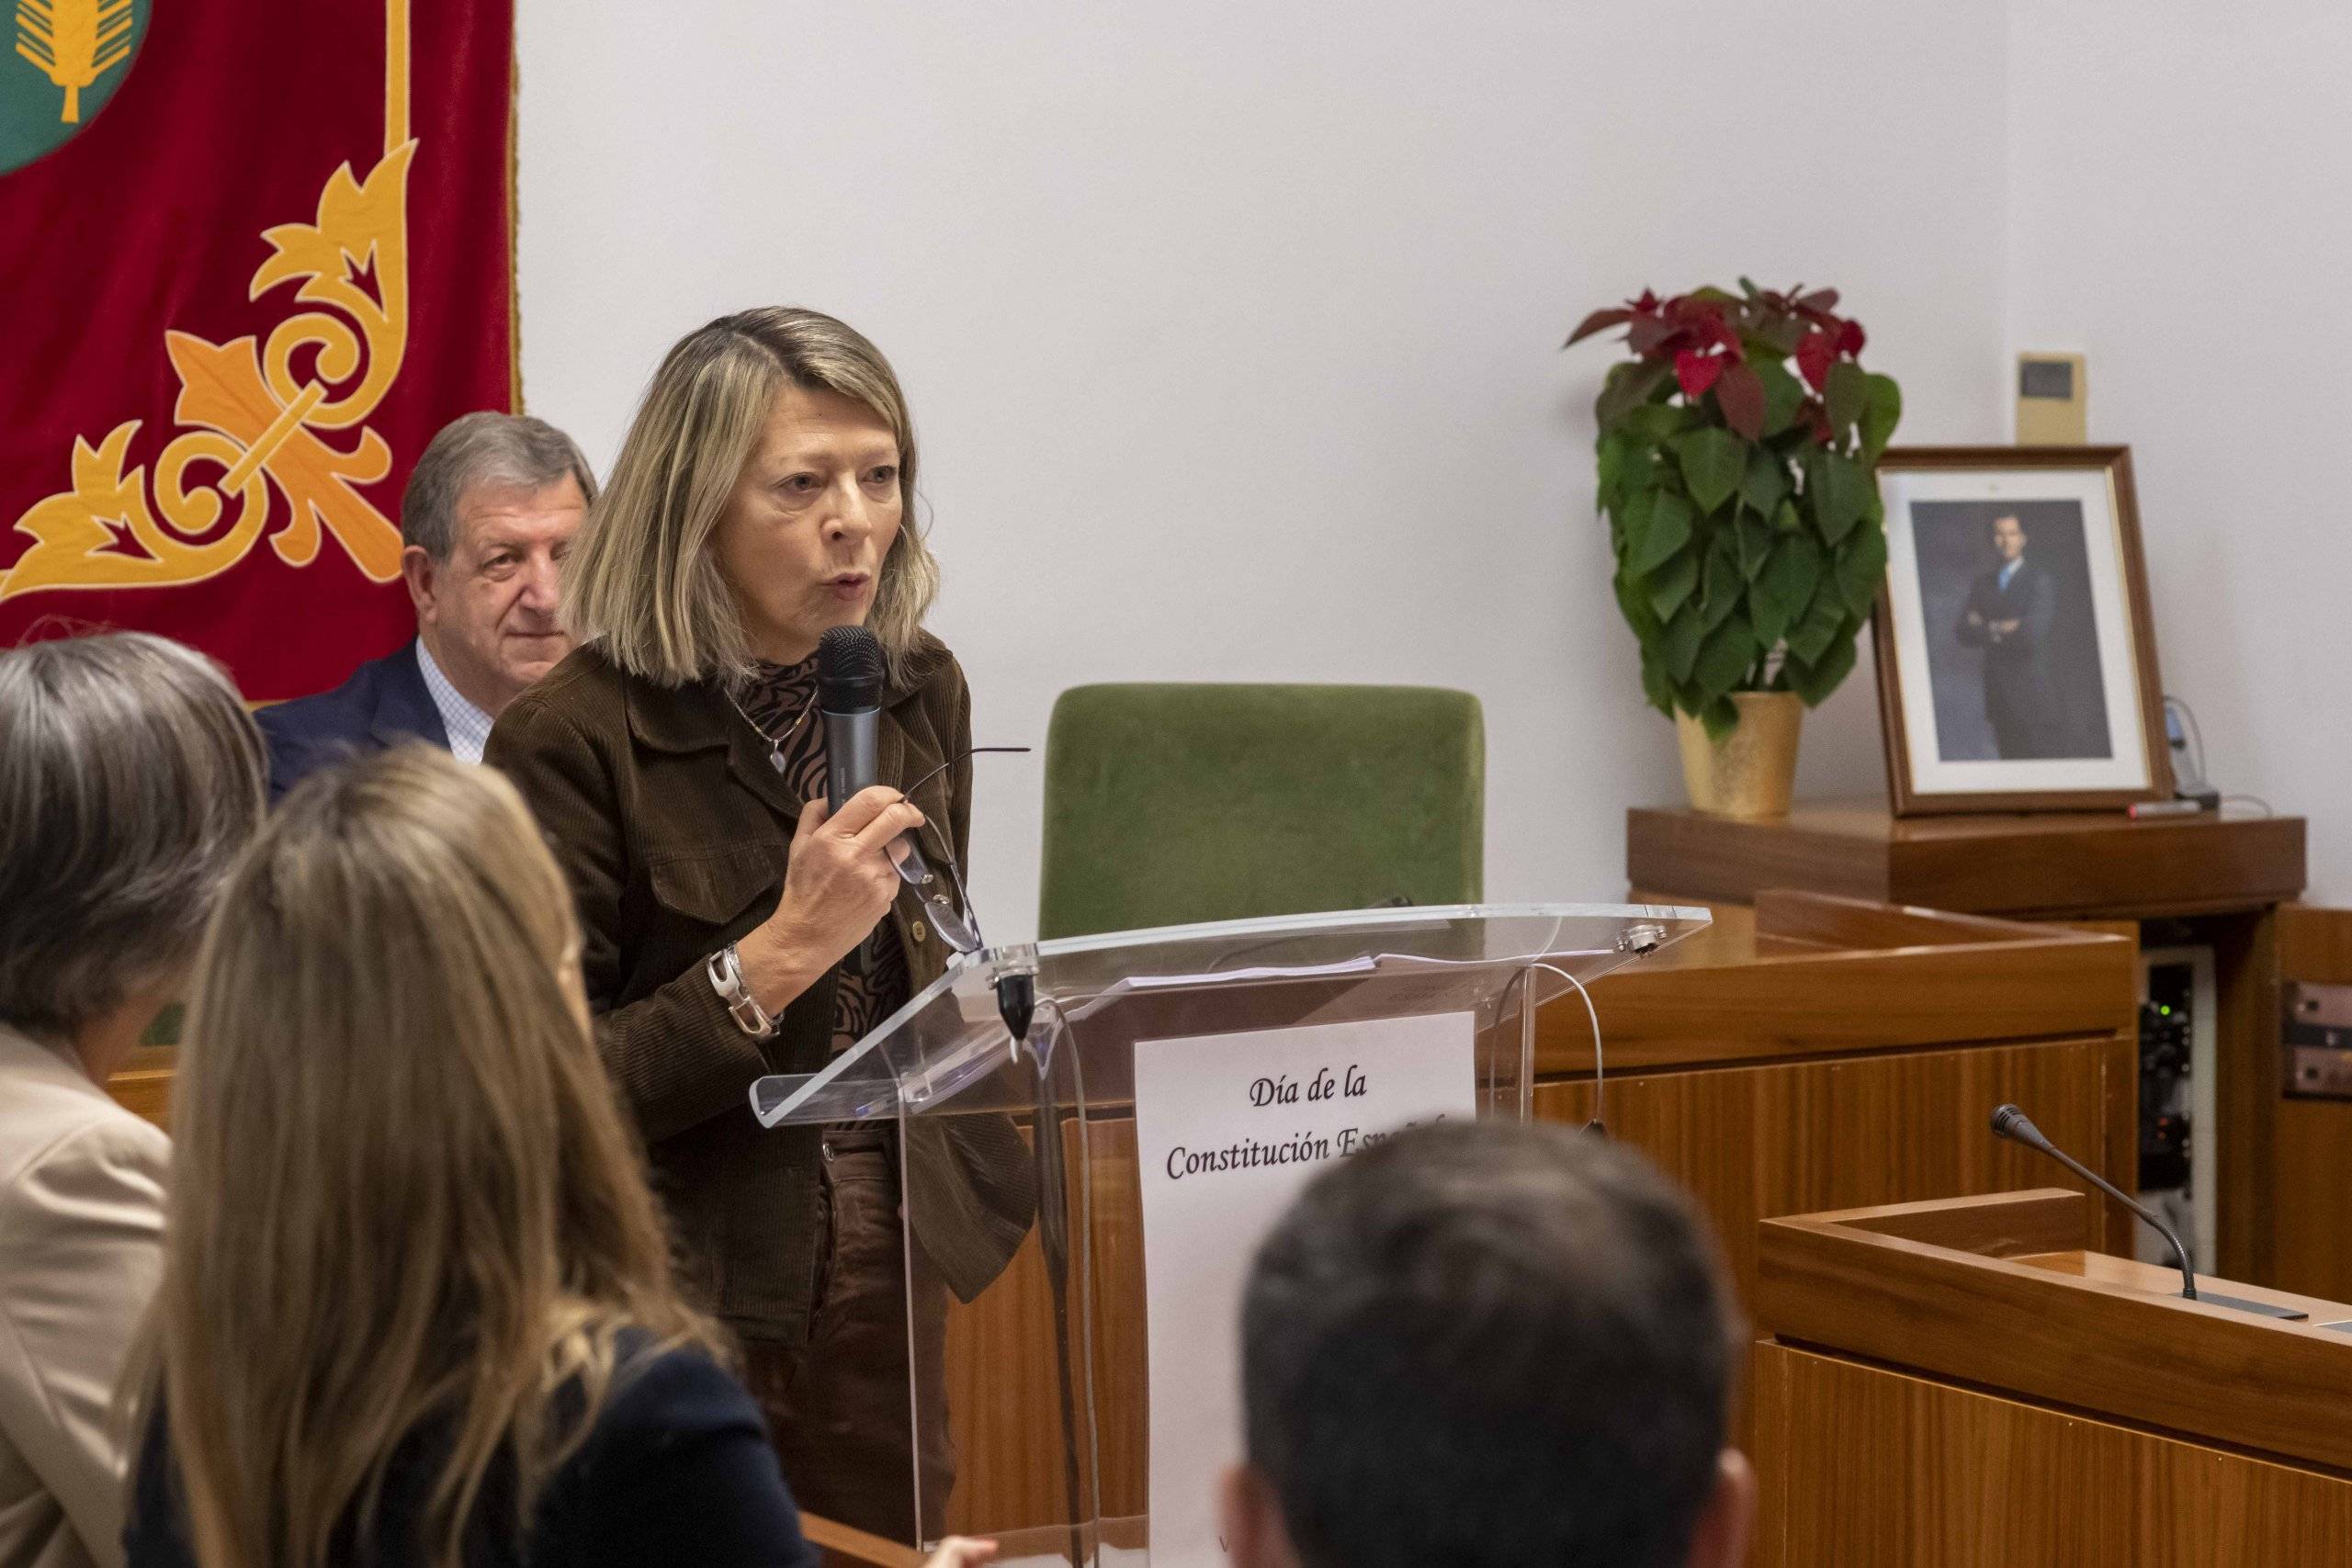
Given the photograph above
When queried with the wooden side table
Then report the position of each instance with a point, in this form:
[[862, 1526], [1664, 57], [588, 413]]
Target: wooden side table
[[2072, 865]]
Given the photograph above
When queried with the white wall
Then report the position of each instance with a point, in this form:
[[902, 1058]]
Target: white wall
[[2179, 176], [1231, 328]]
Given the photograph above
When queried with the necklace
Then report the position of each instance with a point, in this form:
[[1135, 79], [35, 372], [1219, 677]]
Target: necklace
[[776, 742]]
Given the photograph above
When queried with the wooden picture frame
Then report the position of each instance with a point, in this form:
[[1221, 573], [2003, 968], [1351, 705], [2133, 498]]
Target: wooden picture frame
[[2050, 709]]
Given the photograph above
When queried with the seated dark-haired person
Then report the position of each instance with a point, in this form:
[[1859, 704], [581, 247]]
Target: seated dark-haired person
[[1488, 1345], [487, 518]]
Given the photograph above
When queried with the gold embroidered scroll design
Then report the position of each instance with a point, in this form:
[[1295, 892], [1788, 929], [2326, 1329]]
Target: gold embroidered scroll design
[[255, 415]]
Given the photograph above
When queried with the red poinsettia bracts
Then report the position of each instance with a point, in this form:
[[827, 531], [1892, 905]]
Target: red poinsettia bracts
[[1707, 336]]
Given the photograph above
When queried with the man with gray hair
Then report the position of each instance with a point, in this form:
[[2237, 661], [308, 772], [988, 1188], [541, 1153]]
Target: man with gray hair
[[490, 512]]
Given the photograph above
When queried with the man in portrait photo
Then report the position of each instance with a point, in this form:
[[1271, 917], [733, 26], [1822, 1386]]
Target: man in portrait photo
[[2010, 614]]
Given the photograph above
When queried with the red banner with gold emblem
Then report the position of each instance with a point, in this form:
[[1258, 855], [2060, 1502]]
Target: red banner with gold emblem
[[261, 254]]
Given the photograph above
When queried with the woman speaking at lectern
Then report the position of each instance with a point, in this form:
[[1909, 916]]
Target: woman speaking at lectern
[[764, 495]]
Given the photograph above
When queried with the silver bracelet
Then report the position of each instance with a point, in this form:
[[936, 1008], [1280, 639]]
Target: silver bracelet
[[726, 970]]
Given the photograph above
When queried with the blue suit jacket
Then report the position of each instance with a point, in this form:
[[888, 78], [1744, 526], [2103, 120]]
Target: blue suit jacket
[[383, 703]]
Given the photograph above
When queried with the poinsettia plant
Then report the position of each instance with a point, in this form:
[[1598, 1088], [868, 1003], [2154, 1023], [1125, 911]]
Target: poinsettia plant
[[1738, 451]]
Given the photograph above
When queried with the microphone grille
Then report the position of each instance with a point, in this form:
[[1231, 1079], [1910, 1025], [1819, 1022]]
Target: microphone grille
[[849, 670], [2008, 1121]]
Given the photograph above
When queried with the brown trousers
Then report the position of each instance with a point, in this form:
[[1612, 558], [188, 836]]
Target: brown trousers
[[841, 1410]]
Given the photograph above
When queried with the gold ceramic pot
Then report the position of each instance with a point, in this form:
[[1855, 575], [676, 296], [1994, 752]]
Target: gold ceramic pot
[[1750, 772]]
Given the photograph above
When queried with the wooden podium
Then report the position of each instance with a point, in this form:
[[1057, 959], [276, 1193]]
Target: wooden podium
[[1967, 1383], [2280, 1166]]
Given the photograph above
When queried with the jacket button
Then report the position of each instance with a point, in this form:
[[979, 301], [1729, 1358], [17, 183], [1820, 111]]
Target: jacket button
[[919, 932]]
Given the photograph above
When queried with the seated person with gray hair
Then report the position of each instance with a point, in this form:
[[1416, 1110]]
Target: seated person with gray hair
[[1488, 1345], [487, 518], [130, 779]]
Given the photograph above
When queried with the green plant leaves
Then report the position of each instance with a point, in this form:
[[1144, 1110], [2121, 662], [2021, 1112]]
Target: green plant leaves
[[1814, 680], [1824, 619], [1673, 583], [1861, 566], [1635, 601], [1712, 460], [1783, 395], [1723, 661], [1610, 456], [1629, 386], [1754, 544], [1723, 584], [1678, 644], [1785, 587], [1621, 515], [1842, 397], [1764, 484], [1653, 533], [1655, 423], [1882, 412], [1840, 492], [1657, 684]]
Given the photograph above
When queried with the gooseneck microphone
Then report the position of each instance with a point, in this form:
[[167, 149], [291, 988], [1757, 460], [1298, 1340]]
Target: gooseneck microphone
[[2014, 1124]]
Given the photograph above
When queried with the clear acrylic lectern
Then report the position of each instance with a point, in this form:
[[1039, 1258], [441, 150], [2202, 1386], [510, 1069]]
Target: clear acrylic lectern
[[1172, 1088]]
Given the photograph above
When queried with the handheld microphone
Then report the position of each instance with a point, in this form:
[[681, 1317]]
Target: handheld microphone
[[2015, 1125], [849, 700]]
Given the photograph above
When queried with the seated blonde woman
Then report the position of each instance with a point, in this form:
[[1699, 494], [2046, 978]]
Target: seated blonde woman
[[416, 1306], [130, 778]]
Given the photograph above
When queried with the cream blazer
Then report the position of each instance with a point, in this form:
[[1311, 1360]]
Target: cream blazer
[[81, 1248]]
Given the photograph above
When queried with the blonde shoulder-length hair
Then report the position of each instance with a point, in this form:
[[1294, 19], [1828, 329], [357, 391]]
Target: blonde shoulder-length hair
[[642, 580], [403, 1196]]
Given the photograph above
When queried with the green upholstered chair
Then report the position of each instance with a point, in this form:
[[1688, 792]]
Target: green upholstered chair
[[1169, 804]]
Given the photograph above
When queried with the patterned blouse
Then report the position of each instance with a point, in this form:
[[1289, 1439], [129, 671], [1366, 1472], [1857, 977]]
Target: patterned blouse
[[781, 700]]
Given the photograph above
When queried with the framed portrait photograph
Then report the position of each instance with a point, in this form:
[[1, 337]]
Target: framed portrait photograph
[[2017, 666]]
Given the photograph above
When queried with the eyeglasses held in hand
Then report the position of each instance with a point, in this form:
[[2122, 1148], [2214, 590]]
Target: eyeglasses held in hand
[[958, 926]]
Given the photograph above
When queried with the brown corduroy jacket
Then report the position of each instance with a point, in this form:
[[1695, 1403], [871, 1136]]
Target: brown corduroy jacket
[[674, 832]]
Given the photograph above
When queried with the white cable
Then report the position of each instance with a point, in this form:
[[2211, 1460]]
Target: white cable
[[1590, 1013], [2196, 738], [1593, 1016]]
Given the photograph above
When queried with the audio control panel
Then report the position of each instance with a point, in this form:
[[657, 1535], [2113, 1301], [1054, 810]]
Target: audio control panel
[[2179, 1005], [2316, 1025], [2168, 1020]]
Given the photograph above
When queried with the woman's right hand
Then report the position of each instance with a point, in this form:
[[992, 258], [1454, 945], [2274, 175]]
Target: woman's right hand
[[837, 884], [961, 1551]]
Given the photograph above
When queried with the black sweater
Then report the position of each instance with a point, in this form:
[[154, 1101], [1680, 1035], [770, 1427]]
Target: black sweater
[[677, 1469]]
